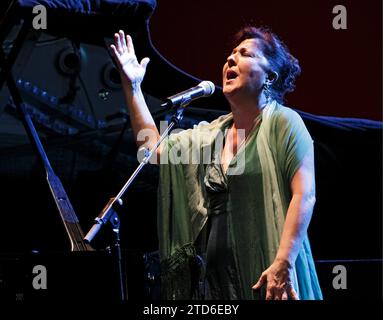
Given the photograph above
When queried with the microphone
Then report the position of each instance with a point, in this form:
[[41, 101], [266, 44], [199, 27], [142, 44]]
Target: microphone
[[182, 99]]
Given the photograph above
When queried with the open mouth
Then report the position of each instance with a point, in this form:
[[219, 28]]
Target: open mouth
[[230, 75]]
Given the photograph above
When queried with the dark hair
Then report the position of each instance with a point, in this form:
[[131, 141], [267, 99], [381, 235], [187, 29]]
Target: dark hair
[[279, 57]]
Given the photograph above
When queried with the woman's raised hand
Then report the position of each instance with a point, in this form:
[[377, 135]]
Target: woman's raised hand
[[132, 72]]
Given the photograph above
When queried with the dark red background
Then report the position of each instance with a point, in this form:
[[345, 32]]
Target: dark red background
[[341, 69]]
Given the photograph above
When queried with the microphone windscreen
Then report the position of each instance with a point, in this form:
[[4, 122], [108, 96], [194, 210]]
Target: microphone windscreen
[[208, 87]]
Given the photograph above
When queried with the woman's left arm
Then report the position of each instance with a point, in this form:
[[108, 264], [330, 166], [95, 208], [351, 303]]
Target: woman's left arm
[[278, 275]]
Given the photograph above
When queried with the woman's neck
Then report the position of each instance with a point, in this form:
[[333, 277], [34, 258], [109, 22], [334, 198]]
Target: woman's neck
[[245, 112]]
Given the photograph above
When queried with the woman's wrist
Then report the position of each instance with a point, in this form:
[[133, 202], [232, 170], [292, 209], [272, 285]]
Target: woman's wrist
[[285, 260], [133, 91], [131, 86]]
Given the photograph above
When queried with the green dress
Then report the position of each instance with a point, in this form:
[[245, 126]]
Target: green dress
[[223, 280], [234, 220]]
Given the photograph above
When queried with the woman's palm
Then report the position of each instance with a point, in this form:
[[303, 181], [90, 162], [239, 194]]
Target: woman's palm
[[123, 49], [130, 66]]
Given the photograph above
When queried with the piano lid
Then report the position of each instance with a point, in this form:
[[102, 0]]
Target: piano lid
[[96, 22]]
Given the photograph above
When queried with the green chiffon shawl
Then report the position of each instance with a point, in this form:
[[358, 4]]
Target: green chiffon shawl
[[281, 143]]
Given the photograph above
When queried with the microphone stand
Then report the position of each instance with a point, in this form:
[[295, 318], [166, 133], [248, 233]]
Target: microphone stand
[[109, 213]]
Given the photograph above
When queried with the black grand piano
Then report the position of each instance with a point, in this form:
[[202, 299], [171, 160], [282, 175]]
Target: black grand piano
[[71, 93]]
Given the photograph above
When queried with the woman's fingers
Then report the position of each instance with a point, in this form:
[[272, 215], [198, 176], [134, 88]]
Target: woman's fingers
[[269, 295], [129, 44], [114, 49], [122, 43], [292, 293], [122, 39], [144, 62], [117, 42], [278, 293], [261, 281]]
